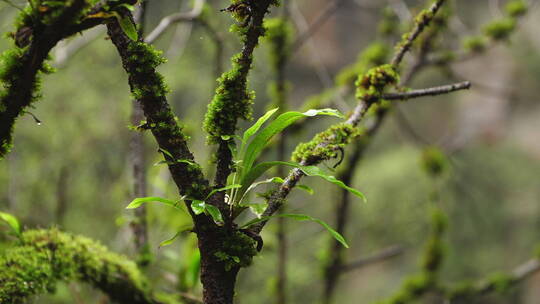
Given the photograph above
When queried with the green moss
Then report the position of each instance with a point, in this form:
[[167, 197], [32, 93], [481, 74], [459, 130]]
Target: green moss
[[147, 58], [433, 161], [325, 145], [500, 29], [243, 13], [371, 85], [237, 250], [12, 65], [501, 282], [374, 55], [412, 288], [231, 102], [43, 257], [516, 8], [463, 290], [434, 251], [475, 44]]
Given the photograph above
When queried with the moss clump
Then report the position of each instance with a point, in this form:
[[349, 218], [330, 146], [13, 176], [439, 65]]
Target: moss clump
[[146, 58], [433, 161], [434, 252], [374, 55], [463, 290], [500, 29], [516, 8], [237, 250], [325, 145], [231, 102], [371, 85], [244, 12], [43, 257], [501, 282], [12, 67], [474, 44], [412, 288]]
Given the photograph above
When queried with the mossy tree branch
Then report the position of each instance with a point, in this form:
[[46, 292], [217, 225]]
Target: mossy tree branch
[[37, 31], [499, 283], [370, 89], [36, 34], [233, 100], [148, 88], [223, 251], [336, 265], [42, 258]]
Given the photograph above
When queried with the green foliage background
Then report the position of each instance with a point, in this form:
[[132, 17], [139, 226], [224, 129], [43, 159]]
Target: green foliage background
[[491, 192]]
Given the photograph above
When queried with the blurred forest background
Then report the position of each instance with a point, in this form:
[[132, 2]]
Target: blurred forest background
[[73, 170]]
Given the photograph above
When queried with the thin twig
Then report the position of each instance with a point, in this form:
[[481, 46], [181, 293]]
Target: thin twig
[[418, 29], [435, 91], [384, 254], [170, 20]]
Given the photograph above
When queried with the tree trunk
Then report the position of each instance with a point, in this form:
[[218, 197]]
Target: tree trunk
[[218, 281]]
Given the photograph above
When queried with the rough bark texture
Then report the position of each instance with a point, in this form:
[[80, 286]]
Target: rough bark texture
[[217, 281]]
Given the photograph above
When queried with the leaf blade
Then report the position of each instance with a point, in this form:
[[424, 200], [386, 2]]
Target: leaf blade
[[284, 120], [12, 222], [303, 217], [136, 203]]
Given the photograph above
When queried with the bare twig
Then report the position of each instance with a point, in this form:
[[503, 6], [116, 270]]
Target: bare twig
[[170, 20], [441, 90], [384, 254]]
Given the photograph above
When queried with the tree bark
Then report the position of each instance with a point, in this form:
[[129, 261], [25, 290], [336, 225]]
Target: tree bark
[[218, 282]]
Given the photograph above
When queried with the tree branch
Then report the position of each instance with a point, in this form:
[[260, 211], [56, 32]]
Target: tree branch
[[232, 100], [140, 60], [422, 21], [435, 91], [384, 254], [365, 102], [168, 21], [499, 283], [43, 257]]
